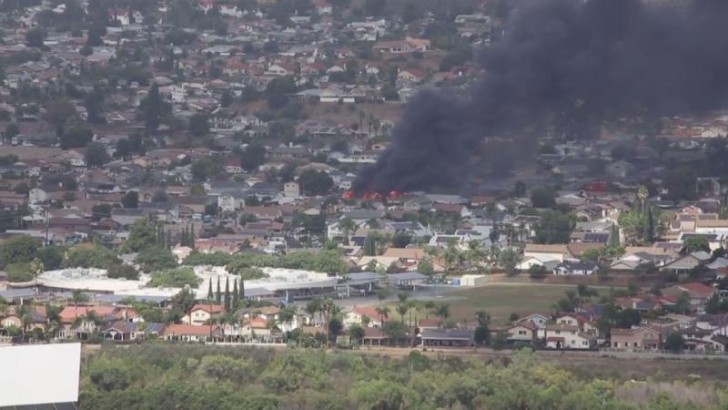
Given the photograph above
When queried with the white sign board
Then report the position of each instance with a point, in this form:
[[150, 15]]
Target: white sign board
[[39, 374]]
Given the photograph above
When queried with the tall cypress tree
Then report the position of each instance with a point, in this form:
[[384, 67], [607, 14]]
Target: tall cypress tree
[[236, 295], [209, 290], [192, 237], [242, 291], [218, 296], [227, 293], [614, 236], [649, 233]]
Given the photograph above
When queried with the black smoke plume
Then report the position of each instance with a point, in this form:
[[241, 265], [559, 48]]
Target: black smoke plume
[[570, 63]]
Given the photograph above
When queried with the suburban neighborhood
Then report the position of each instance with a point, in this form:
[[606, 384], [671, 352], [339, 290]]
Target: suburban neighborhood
[[184, 171]]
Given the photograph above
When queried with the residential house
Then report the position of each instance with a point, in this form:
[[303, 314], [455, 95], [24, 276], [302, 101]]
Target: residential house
[[639, 338], [232, 166], [408, 257], [192, 333], [448, 337], [202, 313], [522, 332], [291, 190], [358, 314], [80, 321], [575, 268], [697, 292], [539, 321], [408, 45], [125, 331], [684, 264], [548, 256], [703, 340], [264, 213], [568, 337]]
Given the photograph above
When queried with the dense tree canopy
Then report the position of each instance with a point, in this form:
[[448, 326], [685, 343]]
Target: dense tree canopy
[[554, 227], [236, 378], [315, 183], [20, 249]]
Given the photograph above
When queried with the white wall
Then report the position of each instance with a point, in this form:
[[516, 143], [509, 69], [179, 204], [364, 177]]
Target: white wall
[[40, 374]]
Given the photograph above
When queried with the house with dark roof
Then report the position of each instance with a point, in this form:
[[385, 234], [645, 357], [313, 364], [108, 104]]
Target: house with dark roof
[[572, 268], [448, 337]]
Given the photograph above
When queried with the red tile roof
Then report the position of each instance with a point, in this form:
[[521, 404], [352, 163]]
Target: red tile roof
[[188, 330], [696, 289], [70, 313], [212, 309]]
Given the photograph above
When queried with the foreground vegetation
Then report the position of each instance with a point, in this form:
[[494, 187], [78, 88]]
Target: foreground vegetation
[[206, 377]]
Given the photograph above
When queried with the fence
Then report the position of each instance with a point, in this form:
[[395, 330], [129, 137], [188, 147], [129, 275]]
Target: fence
[[664, 354]]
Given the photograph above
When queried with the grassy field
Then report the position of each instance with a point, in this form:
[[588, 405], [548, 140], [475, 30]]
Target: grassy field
[[500, 300]]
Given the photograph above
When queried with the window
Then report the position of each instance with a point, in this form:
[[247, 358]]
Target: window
[[558, 332], [616, 344]]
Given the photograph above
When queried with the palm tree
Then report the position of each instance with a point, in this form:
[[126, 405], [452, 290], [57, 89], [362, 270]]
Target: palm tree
[[78, 297], [347, 225], [452, 255], [482, 317], [26, 317], [403, 296], [287, 314], [383, 312], [36, 269], [429, 307], [54, 319], [313, 307], [402, 309], [413, 306], [356, 333], [443, 311], [382, 294]]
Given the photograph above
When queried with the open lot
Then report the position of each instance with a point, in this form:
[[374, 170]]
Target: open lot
[[500, 300]]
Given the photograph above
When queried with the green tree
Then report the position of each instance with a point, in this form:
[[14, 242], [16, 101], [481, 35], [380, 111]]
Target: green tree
[[175, 278], [424, 266], [356, 334], [96, 155], [315, 183], [76, 136], [19, 249], [509, 260], [537, 272], [696, 243], [51, 256], [36, 37], [554, 227], [153, 109], [199, 125], [334, 327], [130, 200], [155, 258], [60, 112], [144, 234], [253, 156], [94, 104], [675, 342], [119, 270], [370, 246]]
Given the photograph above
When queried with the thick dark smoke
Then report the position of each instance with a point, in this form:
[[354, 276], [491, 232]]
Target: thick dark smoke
[[565, 63]]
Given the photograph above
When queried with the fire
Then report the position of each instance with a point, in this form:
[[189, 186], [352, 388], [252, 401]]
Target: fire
[[371, 196]]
